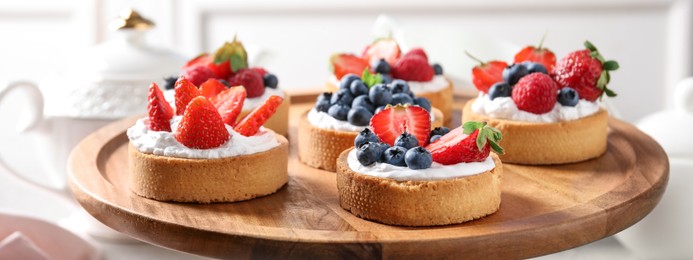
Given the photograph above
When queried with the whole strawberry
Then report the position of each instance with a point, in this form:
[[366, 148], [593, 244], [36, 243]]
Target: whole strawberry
[[413, 68], [201, 126], [586, 71], [184, 92], [251, 80], [535, 93], [471, 142], [198, 74]]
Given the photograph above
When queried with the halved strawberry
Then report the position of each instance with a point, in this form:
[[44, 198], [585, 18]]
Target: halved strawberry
[[471, 142], [211, 88], [391, 122], [230, 104], [486, 74], [221, 70], [383, 48], [251, 123], [537, 54], [184, 92], [201, 126], [160, 112], [342, 64]]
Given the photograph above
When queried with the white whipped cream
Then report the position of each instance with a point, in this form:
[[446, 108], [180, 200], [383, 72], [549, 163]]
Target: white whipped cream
[[325, 121], [437, 83], [165, 143], [436, 172], [505, 108], [248, 104]]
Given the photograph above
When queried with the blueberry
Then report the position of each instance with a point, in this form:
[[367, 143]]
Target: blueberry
[[359, 116], [343, 96], [271, 81], [368, 153], [381, 66], [345, 83], [418, 158], [434, 138], [226, 83], [411, 94], [381, 148], [437, 69], [322, 105], [170, 82], [395, 156], [568, 97], [363, 101], [365, 136], [324, 96], [423, 102], [399, 86], [406, 140], [339, 112], [385, 79], [500, 89], [513, 73], [401, 98], [358, 88], [441, 130], [533, 67], [380, 95], [378, 109]]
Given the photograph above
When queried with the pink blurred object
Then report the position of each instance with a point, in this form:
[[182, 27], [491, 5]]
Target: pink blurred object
[[24, 237]]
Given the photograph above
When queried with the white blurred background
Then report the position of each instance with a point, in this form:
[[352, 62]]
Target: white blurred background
[[651, 39]]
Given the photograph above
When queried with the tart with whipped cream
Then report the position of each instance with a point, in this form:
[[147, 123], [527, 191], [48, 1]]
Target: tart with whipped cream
[[384, 56], [229, 66], [205, 155], [447, 178], [331, 125], [549, 112]]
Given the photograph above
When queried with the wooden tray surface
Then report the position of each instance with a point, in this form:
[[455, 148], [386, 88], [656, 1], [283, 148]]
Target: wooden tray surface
[[544, 209]]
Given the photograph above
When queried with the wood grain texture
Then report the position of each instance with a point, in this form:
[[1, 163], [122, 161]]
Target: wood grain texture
[[544, 209]]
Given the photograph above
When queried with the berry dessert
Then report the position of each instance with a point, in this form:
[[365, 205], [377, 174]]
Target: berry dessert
[[399, 173], [200, 153], [550, 112], [385, 57], [331, 125], [229, 66]]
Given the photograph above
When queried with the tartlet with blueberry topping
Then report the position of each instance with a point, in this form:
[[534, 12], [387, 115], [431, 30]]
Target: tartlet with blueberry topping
[[448, 177], [331, 125], [550, 112], [385, 57]]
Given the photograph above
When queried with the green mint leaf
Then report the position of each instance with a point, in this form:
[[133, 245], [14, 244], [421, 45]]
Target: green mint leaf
[[480, 140], [470, 126], [610, 65], [370, 79], [496, 148], [590, 46]]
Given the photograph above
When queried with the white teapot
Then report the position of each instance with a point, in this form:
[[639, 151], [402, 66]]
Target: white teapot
[[667, 232], [106, 83]]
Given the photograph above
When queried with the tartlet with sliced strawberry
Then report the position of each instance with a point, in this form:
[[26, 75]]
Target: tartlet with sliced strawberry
[[211, 73], [331, 125], [384, 56], [204, 151], [550, 110], [400, 173]]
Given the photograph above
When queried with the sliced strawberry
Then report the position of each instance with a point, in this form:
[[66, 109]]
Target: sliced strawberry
[[221, 70], [486, 74], [230, 104], [383, 48], [342, 64], [391, 122], [416, 52], [211, 88], [251, 123], [537, 54], [471, 142], [201, 126], [185, 91], [160, 112]]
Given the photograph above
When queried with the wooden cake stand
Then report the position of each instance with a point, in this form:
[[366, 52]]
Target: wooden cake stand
[[544, 209]]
